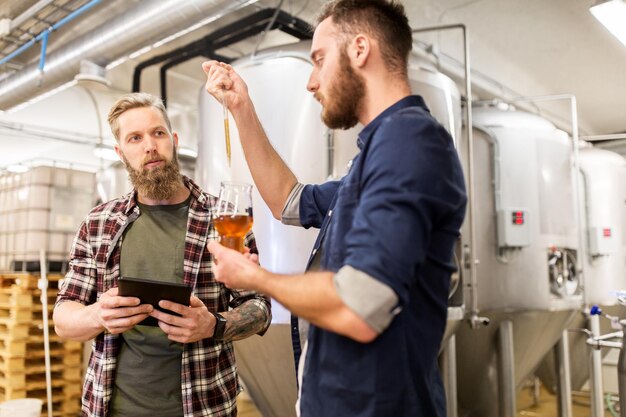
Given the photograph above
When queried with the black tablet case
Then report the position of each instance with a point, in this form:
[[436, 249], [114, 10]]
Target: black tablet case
[[151, 292]]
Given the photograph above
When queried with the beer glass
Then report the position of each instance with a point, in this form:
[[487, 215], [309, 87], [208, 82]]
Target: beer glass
[[233, 214]]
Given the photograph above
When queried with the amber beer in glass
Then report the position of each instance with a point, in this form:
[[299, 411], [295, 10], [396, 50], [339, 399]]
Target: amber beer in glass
[[233, 214]]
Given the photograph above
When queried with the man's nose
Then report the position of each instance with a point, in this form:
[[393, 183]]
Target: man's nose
[[313, 84], [149, 144]]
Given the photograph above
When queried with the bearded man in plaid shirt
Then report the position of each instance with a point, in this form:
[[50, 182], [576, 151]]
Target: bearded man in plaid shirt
[[186, 365]]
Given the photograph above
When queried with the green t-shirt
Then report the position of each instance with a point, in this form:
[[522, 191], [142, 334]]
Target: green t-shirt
[[148, 377]]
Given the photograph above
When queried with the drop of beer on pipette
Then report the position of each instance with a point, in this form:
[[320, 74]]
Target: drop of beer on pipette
[[227, 134]]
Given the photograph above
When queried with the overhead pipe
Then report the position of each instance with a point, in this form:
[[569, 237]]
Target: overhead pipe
[[30, 12], [220, 36], [300, 31], [223, 37], [596, 138], [129, 31], [177, 61], [43, 36], [451, 66]]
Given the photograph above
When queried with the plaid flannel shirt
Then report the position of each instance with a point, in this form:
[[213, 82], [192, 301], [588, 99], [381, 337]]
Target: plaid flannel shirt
[[209, 375]]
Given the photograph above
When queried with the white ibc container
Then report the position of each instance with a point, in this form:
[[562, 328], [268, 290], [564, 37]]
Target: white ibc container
[[39, 175], [61, 178], [35, 241], [24, 407], [38, 196], [12, 222], [82, 181], [59, 243], [33, 219]]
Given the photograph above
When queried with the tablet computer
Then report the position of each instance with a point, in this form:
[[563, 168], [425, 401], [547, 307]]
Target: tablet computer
[[151, 292]]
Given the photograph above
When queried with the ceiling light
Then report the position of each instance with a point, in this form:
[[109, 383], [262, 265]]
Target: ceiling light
[[612, 14]]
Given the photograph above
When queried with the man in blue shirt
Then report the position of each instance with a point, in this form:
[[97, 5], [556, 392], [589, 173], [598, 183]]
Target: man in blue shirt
[[377, 285]]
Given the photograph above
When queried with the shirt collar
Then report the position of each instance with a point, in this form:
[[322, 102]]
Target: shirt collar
[[408, 101]]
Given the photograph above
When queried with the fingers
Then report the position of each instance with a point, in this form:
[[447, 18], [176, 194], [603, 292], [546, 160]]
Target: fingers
[[169, 319], [122, 324], [196, 302], [251, 256], [119, 301], [191, 327], [218, 77], [208, 65], [175, 307], [111, 314], [119, 320], [113, 292], [184, 311], [215, 248]]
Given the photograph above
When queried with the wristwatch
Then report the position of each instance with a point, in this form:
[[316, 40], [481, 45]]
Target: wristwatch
[[220, 326]]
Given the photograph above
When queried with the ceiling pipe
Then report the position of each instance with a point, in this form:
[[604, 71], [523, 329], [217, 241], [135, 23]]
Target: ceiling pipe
[[123, 34], [43, 36], [228, 35], [32, 11]]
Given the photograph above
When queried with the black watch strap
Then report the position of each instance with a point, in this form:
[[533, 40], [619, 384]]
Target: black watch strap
[[220, 326]]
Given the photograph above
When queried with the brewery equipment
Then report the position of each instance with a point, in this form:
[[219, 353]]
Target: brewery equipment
[[527, 280], [603, 195]]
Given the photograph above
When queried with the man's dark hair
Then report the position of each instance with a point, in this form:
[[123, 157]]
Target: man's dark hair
[[384, 20]]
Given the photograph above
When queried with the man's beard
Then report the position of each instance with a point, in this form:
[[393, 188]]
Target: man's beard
[[158, 183], [345, 96]]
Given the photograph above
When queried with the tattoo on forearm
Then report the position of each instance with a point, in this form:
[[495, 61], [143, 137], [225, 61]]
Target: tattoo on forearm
[[245, 320]]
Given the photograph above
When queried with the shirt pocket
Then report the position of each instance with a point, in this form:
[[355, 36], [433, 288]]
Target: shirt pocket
[[342, 218]]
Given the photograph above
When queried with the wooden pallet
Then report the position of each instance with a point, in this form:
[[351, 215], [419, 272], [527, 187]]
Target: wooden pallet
[[27, 281], [62, 404], [22, 352], [15, 298]]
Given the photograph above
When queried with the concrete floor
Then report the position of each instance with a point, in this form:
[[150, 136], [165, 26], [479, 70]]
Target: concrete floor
[[546, 406], [245, 407]]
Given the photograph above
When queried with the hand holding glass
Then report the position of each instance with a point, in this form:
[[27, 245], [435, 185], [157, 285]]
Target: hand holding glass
[[233, 214]]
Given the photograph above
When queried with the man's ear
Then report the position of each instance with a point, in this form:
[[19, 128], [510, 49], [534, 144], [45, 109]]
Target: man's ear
[[118, 151], [360, 49], [175, 138]]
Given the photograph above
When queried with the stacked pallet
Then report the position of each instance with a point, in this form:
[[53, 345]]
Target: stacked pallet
[[22, 351]]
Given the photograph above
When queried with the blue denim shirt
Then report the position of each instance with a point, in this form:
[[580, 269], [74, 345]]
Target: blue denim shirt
[[395, 216]]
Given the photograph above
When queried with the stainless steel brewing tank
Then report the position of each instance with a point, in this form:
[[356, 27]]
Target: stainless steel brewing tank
[[524, 210], [276, 80], [603, 193], [526, 245]]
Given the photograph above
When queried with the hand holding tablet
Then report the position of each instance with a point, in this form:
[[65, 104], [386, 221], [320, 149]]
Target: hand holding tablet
[[151, 292]]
